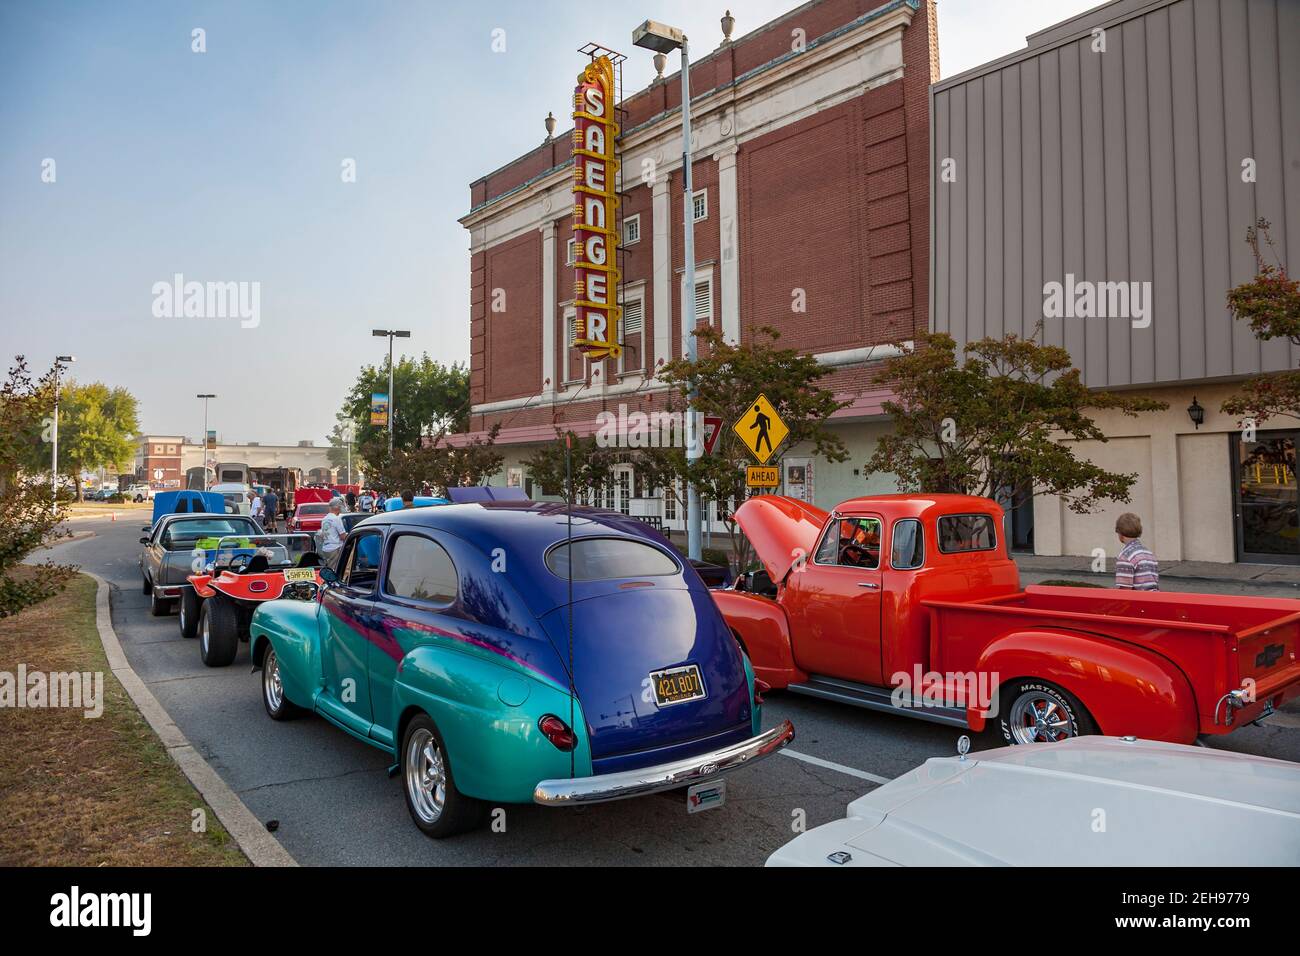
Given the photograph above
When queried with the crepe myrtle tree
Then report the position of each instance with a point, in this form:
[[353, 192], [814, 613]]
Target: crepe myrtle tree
[[437, 464], [1001, 424], [728, 378], [27, 520], [590, 466], [1270, 303]]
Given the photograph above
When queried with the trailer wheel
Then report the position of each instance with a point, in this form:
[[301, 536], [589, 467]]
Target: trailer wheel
[[1039, 712], [218, 633]]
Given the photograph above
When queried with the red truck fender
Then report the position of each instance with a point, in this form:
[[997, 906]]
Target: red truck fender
[[763, 630], [1126, 689]]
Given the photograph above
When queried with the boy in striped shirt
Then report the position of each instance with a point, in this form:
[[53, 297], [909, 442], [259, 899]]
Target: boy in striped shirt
[[1136, 568]]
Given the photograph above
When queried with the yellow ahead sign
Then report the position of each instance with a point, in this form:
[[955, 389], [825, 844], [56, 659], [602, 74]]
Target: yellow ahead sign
[[762, 476], [761, 429]]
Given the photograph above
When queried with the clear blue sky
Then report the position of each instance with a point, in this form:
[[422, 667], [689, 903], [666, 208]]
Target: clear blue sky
[[225, 166]]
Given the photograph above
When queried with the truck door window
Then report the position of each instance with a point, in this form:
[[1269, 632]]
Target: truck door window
[[851, 542], [908, 545]]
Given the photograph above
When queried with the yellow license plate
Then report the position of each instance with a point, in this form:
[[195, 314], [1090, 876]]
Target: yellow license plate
[[300, 574], [674, 685]]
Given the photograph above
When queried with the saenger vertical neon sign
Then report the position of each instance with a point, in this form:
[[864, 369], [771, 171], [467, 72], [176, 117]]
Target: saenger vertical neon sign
[[595, 207]]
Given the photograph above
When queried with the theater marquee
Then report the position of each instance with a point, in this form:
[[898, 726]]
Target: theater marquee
[[595, 211]]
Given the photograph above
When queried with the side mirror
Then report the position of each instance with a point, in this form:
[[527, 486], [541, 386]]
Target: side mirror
[[144, 540], [329, 576]]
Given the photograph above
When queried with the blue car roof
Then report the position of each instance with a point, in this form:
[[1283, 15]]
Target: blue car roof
[[526, 529]]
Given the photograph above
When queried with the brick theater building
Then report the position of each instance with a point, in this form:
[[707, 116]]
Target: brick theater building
[[811, 172]]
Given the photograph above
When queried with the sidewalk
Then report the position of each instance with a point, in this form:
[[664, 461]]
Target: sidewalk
[[1281, 576]]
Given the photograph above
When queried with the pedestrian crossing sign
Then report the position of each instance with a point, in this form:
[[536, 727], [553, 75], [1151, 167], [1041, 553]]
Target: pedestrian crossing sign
[[760, 429]]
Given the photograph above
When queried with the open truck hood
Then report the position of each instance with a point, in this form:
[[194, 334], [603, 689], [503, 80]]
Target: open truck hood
[[782, 531]]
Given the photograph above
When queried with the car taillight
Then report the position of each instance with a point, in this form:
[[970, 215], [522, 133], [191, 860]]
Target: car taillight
[[761, 687], [557, 732]]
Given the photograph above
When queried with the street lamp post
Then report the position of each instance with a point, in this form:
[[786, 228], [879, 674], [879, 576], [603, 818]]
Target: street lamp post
[[392, 334], [662, 38], [59, 362], [204, 440]]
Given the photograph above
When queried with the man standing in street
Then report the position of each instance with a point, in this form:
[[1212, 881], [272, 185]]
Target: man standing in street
[[332, 532], [270, 512], [256, 507], [1136, 568]]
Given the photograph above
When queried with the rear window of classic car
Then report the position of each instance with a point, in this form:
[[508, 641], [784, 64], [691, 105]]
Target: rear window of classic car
[[959, 533], [183, 534], [603, 559], [313, 509]]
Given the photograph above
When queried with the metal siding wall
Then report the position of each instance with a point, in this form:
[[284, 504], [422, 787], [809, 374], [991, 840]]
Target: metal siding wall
[[1125, 166]]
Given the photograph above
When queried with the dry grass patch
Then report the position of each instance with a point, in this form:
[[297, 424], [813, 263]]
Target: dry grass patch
[[90, 792]]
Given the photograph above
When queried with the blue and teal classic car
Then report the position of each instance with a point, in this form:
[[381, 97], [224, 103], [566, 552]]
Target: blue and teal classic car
[[514, 652]]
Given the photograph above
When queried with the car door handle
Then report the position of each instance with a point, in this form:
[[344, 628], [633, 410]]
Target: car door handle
[[869, 584]]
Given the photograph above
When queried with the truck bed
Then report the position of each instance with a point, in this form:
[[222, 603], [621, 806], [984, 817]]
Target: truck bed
[[1219, 641]]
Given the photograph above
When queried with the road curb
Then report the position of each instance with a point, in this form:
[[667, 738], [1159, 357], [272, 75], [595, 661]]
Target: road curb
[[244, 828]]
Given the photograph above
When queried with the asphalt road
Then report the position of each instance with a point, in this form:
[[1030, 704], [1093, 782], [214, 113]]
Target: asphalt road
[[336, 805]]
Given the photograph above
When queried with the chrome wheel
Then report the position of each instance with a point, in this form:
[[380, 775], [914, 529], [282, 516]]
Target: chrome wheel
[[426, 776], [184, 618], [271, 684], [1037, 717], [204, 632]]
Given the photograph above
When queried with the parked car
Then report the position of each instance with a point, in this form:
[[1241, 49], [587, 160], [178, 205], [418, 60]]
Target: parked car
[[1089, 801], [236, 497], [446, 639], [911, 604], [244, 572], [308, 517], [140, 493], [178, 545]]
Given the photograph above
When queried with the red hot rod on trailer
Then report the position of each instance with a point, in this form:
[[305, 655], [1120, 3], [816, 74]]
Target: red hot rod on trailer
[[911, 604]]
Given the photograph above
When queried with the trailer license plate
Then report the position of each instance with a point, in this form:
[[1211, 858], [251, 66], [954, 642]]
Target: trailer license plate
[[675, 685], [706, 796]]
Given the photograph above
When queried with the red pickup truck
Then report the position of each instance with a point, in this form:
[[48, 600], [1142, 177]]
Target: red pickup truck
[[911, 604]]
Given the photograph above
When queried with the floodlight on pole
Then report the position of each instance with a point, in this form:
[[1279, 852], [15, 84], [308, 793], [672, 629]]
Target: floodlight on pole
[[59, 362], [205, 396], [662, 38], [391, 334]]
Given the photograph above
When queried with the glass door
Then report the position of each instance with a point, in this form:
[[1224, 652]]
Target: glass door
[[1267, 505]]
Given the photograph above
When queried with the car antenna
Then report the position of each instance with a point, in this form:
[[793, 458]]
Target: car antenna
[[568, 550]]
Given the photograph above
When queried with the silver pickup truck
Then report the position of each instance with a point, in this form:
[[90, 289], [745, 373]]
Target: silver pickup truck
[[174, 549]]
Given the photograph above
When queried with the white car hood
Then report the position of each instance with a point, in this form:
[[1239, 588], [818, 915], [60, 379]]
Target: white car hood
[[1091, 801]]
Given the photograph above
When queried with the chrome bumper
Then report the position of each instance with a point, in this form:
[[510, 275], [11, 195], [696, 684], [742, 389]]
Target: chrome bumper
[[668, 776]]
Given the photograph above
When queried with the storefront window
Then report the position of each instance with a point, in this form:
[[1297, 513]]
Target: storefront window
[[1268, 519]]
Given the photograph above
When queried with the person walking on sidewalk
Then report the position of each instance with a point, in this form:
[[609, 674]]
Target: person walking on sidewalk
[[1136, 568]]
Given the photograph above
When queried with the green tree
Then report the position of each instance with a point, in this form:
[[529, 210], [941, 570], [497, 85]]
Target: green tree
[[592, 468], [1001, 425], [428, 398], [1270, 303], [729, 377], [97, 426], [28, 520]]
